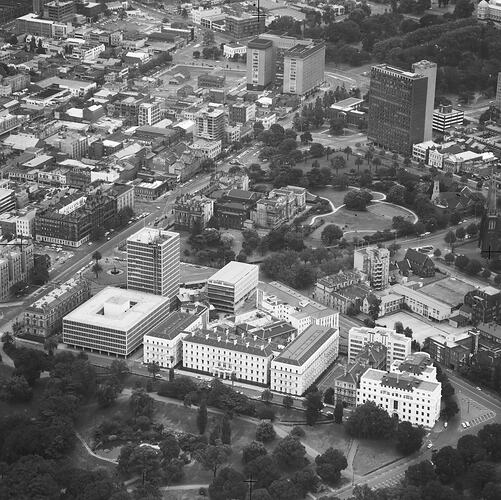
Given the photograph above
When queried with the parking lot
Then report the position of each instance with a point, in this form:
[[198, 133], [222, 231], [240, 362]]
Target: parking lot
[[58, 255]]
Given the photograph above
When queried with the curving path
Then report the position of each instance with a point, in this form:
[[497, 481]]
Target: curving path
[[381, 199]]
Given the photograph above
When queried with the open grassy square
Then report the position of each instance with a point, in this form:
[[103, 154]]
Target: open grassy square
[[321, 437], [373, 454]]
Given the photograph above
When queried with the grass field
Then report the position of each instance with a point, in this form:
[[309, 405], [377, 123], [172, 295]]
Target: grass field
[[322, 437], [372, 454]]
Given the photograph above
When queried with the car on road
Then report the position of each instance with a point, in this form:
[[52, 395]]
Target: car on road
[[429, 445], [478, 388], [445, 425]]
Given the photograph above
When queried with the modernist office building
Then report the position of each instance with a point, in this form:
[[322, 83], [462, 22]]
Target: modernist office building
[[114, 321], [401, 106], [304, 68], [153, 262]]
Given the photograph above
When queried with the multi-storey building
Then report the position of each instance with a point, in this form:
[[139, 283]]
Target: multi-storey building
[[324, 287], [485, 304], [289, 305], [446, 117], [232, 285], [211, 81], [148, 113], [114, 321], [375, 264], [411, 399], [163, 344], [31, 23], [16, 264], [45, 316], [17, 82], [153, 262], [74, 220], [399, 106], [59, 10], [72, 143], [210, 125], [242, 112], [304, 68], [489, 10], [245, 25], [498, 92], [417, 364], [397, 345], [7, 200], [193, 210], [223, 354], [299, 365], [260, 64]]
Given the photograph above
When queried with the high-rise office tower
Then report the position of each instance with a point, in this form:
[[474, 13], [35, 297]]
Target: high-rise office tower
[[210, 124], [153, 262], [428, 69], [304, 68], [498, 92], [399, 104], [260, 64]]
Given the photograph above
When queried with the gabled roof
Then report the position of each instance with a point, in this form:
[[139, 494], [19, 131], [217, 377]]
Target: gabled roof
[[419, 258]]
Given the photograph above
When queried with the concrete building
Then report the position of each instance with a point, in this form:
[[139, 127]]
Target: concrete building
[[245, 25], [222, 354], [242, 111], [417, 364], [232, 285], [397, 345], [375, 264], [16, 264], [485, 304], [289, 305], [148, 113], [411, 399], [498, 92], [399, 106], [59, 11], [299, 365], [304, 68], [445, 117], [260, 64], [193, 210], [44, 317], [31, 23], [20, 224], [489, 10], [7, 200], [114, 321], [232, 49], [163, 344], [153, 262], [210, 125]]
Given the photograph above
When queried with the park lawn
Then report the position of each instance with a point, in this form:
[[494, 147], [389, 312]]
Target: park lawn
[[373, 454], [335, 196], [80, 458], [321, 437], [182, 495]]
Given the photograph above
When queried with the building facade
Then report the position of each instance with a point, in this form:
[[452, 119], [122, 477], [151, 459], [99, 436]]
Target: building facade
[[153, 262], [44, 317], [16, 264], [299, 365], [397, 345], [304, 68], [232, 285], [210, 125], [375, 264], [445, 117], [191, 211], [260, 64], [114, 321]]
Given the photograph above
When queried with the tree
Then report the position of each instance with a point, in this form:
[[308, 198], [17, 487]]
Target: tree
[[338, 412], [358, 162], [357, 200], [330, 234], [228, 485], [96, 269], [329, 396], [463, 9], [473, 267], [290, 452], [486, 274], [347, 151], [408, 438], [226, 430], [460, 233], [29, 364], [317, 150], [437, 252], [50, 344], [141, 404], [263, 469], [253, 450], [283, 489], [305, 481], [261, 494], [450, 239], [106, 393], [462, 261], [336, 126], [369, 421], [154, 368], [267, 396], [16, 390], [490, 436], [119, 370], [208, 38], [96, 256], [471, 449], [448, 464], [215, 434], [398, 327], [202, 417], [265, 432], [211, 457], [288, 402], [374, 306], [420, 474], [169, 447], [306, 137], [330, 464], [472, 229], [449, 258], [142, 460], [313, 404]]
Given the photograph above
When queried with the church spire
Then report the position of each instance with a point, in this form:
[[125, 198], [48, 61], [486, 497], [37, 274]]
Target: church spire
[[492, 197]]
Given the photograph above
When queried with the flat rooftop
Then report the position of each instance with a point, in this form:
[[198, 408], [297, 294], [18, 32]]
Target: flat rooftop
[[304, 346], [173, 325], [149, 235], [449, 290], [233, 272], [290, 296], [126, 308]]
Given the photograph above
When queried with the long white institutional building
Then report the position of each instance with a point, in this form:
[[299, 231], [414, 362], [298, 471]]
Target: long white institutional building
[[114, 321]]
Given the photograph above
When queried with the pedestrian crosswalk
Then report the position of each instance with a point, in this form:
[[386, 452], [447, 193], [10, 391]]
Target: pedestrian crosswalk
[[393, 480]]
